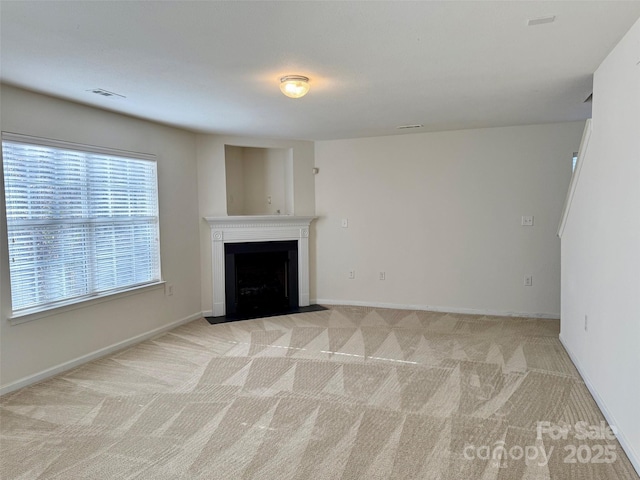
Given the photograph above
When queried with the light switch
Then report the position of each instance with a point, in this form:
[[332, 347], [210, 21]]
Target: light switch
[[344, 223]]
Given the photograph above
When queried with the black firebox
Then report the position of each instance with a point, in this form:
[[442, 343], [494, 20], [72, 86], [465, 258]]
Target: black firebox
[[261, 278]]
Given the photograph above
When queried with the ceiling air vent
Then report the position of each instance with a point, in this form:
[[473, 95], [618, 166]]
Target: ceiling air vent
[[404, 127], [105, 93], [541, 20]]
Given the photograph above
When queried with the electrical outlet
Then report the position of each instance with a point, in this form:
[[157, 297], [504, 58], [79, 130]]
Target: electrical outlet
[[383, 275], [527, 221], [352, 274], [528, 280], [586, 323]]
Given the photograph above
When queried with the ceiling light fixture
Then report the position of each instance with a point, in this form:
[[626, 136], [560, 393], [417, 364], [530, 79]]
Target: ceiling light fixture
[[294, 86]]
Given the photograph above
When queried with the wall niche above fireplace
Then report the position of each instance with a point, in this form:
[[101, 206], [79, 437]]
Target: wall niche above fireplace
[[259, 180]]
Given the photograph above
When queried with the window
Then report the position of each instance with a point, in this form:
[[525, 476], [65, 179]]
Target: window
[[82, 222]]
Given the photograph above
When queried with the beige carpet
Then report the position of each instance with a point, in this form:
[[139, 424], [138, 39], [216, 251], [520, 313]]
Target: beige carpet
[[348, 393]]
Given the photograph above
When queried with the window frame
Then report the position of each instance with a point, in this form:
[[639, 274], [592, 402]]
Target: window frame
[[59, 306]]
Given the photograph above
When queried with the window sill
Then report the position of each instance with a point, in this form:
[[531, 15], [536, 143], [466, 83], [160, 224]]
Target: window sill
[[35, 314]]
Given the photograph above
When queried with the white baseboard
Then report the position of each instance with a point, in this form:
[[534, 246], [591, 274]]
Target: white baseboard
[[431, 308], [634, 458], [207, 313], [63, 367]]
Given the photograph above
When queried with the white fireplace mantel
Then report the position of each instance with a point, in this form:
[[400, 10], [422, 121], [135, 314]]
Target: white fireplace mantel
[[257, 228]]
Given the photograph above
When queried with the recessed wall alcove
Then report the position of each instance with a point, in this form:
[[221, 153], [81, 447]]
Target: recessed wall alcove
[[259, 180]]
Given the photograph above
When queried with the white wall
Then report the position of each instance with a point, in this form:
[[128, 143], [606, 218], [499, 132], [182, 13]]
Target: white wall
[[601, 247], [28, 350], [234, 168], [212, 188], [255, 178], [440, 213]]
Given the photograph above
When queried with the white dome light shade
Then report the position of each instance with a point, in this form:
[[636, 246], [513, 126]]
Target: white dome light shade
[[294, 86]]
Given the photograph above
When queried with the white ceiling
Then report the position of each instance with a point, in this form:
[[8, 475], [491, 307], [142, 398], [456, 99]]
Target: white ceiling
[[214, 66]]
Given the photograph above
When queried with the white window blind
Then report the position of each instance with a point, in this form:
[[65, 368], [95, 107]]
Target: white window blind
[[80, 224]]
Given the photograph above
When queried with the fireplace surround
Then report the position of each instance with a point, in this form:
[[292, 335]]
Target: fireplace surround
[[257, 229]]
